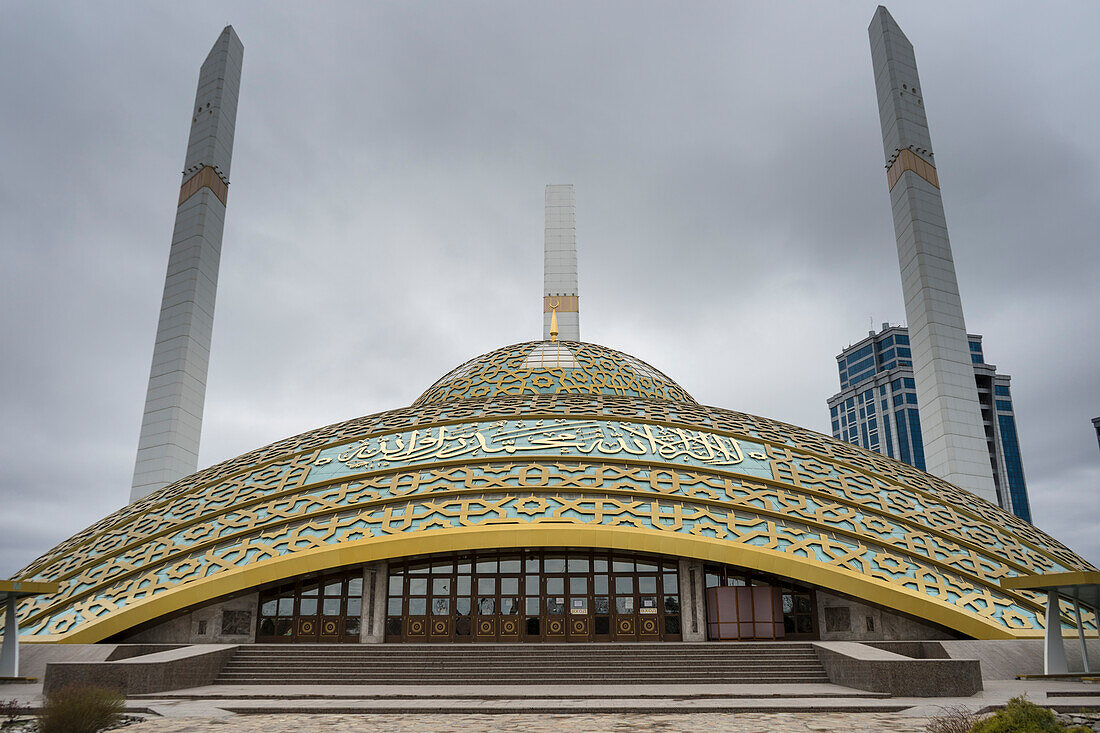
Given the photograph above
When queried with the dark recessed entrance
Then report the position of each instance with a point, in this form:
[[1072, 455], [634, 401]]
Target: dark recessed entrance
[[744, 604], [547, 595], [536, 595], [321, 609]]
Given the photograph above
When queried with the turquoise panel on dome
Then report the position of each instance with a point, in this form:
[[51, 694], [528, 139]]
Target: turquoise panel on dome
[[555, 438]]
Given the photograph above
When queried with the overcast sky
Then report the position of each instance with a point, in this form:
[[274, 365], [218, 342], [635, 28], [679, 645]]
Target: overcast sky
[[385, 214]]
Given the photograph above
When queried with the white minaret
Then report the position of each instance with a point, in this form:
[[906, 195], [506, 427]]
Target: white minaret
[[947, 397], [170, 429], [560, 265]]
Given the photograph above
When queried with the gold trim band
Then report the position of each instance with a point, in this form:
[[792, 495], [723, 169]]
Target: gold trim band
[[907, 160], [561, 303], [540, 535], [206, 178]]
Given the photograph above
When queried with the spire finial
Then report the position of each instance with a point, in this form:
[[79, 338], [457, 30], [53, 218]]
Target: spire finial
[[554, 319]]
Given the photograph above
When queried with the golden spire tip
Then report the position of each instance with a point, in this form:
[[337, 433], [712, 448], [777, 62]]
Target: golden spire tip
[[553, 321]]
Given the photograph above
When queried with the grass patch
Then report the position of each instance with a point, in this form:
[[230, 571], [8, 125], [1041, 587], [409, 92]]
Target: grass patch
[[81, 709]]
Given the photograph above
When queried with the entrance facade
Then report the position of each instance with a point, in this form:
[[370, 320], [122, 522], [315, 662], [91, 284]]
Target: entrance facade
[[319, 609], [533, 595], [536, 595]]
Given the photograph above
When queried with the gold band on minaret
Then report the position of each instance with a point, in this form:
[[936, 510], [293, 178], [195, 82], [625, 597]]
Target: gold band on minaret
[[907, 160], [563, 303], [207, 177]]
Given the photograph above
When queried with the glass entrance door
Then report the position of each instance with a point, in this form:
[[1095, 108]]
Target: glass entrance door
[[326, 609], [497, 582], [533, 595]]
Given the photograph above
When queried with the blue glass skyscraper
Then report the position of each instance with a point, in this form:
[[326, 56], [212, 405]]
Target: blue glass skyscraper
[[876, 409]]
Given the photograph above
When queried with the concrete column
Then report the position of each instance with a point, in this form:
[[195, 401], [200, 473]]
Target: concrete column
[[9, 655], [1054, 650], [372, 629], [693, 610], [1081, 636]]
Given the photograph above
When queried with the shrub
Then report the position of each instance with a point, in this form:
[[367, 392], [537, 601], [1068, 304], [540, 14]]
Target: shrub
[[80, 709], [956, 719], [1021, 716]]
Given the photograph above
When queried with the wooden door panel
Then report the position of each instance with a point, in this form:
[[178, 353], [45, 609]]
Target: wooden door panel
[[625, 628], [509, 628], [330, 628], [580, 627], [416, 628], [554, 628], [649, 627], [306, 629], [440, 628], [485, 628]]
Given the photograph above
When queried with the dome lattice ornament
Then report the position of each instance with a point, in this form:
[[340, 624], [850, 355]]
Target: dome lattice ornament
[[554, 367]]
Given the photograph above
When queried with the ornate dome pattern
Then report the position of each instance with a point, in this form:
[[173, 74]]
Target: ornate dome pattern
[[554, 470], [553, 367]]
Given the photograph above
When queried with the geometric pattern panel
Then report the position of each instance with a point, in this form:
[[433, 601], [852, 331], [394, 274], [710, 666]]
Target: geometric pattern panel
[[521, 369], [751, 489]]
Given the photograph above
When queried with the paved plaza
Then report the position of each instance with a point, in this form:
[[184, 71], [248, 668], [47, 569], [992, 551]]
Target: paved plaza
[[562, 708]]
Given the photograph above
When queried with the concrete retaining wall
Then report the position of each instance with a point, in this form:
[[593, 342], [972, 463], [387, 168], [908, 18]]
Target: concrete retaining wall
[[190, 666], [876, 670]]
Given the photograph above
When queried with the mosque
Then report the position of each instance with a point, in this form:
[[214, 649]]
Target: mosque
[[552, 490]]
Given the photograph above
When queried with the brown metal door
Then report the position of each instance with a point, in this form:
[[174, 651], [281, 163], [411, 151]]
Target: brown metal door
[[416, 609], [532, 607], [554, 619], [649, 623], [624, 619], [331, 621], [464, 606], [441, 606], [580, 620], [509, 619], [744, 612], [485, 619], [307, 625]]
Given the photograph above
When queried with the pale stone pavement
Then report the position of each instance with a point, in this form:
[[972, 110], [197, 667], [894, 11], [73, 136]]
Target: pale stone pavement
[[580, 723]]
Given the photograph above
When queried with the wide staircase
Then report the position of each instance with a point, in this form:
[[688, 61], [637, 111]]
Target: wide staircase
[[512, 664]]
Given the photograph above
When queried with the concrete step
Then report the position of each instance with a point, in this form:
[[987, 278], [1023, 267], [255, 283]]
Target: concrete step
[[443, 650], [526, 660], [523, 648], [508, 662], [524, 664], [598, 679], [479, 677], [512, 667], [483, 673], [535, 681]]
